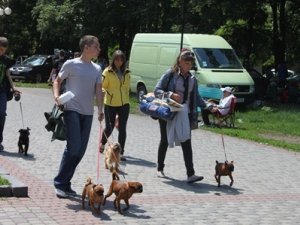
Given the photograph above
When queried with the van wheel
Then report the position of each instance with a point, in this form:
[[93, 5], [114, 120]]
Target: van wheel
[[141, 90]]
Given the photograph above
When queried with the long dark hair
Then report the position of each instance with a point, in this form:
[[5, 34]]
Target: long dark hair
[[118, 53]]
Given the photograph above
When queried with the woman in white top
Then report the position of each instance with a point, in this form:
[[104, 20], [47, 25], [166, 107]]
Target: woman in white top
[[222, 108]]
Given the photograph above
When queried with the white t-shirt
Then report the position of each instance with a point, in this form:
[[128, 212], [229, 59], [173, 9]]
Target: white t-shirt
[[225, 104], [82, 78]]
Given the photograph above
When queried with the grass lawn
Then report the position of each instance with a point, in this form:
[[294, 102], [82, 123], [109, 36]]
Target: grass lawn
[[4, 181], [277, 125]]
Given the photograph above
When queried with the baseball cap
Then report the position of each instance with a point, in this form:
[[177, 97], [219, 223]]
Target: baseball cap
[[187, 55], [227, 89]]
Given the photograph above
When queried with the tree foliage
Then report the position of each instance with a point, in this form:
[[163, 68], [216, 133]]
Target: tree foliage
[[260, 30]]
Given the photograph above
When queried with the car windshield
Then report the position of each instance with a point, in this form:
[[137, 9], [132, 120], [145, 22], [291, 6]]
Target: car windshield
[[34, 61], [214, 58]]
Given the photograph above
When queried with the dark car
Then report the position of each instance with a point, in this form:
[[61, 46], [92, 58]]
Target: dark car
[[20, 59], [260, 82], [36, 68]]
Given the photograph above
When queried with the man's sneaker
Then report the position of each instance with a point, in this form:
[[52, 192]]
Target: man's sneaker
[[61, 194], [1, 147], [160, 174], [70, 192], [194, 178]]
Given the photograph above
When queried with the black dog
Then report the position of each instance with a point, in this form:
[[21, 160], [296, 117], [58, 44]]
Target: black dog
[[24, 140]]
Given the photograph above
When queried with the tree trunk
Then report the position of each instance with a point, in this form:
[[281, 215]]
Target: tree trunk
[[279, 30]]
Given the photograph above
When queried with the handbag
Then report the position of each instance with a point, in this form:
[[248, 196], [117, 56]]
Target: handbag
[[56, 124], [156, 108]]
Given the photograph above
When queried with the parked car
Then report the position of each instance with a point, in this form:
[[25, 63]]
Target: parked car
[[290, 72], [36, 68], [260, 83], [20, 59]]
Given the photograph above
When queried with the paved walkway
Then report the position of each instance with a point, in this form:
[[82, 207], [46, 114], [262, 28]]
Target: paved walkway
[[266, 188]]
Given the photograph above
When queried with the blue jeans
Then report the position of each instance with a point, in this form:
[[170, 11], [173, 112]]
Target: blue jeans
[[78, 129], [3, 106]]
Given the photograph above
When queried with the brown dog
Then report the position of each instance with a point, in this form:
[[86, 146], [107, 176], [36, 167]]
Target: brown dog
[[112, 157], [224, 169], [94, 193], [123, 190]]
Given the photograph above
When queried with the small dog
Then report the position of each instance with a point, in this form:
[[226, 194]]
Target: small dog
[[224, 169], [122, 190], [23, 142], [112, 157], [94, 193]]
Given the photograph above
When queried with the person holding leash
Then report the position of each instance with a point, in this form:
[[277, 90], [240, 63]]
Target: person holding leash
[[116, 84], [83, 79], [5, 83], [180, 85]]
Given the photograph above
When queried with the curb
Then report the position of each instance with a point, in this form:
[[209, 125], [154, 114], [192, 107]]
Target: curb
[[16, 187]]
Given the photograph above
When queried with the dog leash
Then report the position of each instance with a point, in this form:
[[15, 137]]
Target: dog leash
[[22, 114], [108, 143], [224, 146], [99, 147]]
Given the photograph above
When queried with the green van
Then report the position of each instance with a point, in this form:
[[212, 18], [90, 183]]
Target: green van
[[216, 64]]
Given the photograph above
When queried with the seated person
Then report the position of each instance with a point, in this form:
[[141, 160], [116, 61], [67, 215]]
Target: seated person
[[222, 108]]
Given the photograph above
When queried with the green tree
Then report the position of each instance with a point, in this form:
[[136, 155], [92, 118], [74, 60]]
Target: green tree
[[59, 24], [20, 28]]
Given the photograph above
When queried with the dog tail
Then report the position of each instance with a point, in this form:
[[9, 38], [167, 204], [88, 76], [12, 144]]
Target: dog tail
[[88, 181], [115, 175]]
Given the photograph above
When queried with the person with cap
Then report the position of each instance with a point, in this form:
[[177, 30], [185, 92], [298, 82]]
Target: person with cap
[[180, 85], [222, 108]]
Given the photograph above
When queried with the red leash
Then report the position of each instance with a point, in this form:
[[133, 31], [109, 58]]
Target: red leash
[[99, 147]]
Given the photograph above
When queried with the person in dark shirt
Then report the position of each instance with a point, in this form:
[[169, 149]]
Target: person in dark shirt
[[57, 66], [5, 83]]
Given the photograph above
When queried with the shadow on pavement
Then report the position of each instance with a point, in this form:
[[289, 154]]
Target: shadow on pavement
[[139, 162], [29, 156], [134, 211], [200, 187]]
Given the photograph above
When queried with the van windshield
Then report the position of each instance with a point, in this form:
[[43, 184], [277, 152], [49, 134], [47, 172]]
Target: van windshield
[[215, 58]]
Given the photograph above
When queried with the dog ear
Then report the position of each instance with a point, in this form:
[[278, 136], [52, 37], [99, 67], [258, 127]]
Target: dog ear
[[217, 161], [231, 162]]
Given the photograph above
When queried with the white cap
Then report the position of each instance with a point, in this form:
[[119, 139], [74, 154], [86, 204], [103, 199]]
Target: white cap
[[227, 89]]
